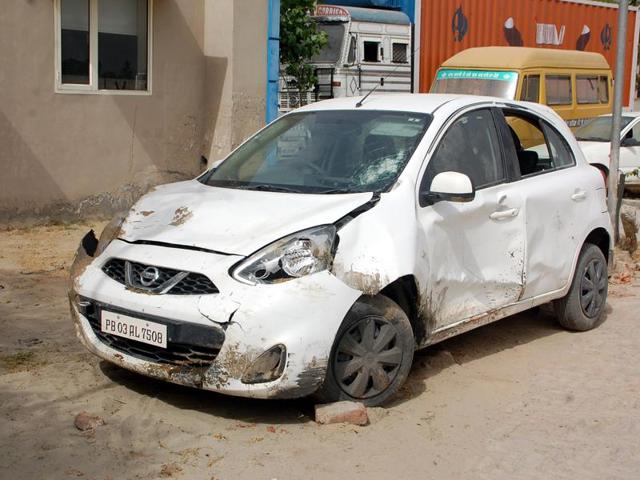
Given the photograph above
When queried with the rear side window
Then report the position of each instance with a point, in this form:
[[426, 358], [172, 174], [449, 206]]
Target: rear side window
[[587, 89], [558, 88], [561, 155], [469, 146], [531, 88]]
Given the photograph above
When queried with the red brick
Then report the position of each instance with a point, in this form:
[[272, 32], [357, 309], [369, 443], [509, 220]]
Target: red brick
[[342, 412]]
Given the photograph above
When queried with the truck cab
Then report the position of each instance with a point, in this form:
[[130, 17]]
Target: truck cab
[[366, 48]]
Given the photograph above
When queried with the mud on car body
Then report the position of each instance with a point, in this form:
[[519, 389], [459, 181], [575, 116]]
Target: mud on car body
[[328, 247]]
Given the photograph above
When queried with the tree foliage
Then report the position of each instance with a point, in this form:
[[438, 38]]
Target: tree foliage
[[299, 41]]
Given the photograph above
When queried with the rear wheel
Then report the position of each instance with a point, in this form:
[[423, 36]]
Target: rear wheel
[[371, 355], [583, 308]]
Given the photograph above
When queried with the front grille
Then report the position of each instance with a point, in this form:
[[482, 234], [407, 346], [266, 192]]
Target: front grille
[[164, 275], [176, 353], [167, 280], [115, 269]]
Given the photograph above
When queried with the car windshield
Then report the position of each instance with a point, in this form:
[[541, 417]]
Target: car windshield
[[330, 53], [324, 152], [599, 129], [492, 83]]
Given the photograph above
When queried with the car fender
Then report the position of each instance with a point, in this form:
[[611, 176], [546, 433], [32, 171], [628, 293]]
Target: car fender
[[378, 246]]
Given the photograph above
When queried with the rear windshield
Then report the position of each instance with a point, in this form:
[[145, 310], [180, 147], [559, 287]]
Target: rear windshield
[[492, 83], [324, 152], [599, 129]]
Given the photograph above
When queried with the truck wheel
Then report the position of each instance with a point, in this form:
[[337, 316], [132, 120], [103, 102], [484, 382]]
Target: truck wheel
[[371, 355], [583, 308]]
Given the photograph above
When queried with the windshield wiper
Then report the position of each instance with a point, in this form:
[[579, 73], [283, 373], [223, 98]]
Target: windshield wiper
[[336, 190], [263, 187]]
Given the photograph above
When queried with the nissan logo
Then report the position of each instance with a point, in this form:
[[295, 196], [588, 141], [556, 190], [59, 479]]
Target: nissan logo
[[149, 275]]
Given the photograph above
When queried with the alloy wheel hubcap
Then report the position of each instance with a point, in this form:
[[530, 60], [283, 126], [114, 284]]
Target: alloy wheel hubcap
[[368, 358], [593, 288]]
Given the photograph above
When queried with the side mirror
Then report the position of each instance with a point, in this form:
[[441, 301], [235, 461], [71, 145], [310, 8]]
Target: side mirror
[[450, 187], [629, 142]]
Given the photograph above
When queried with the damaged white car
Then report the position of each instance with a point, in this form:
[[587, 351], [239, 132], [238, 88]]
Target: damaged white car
[[320, 254]]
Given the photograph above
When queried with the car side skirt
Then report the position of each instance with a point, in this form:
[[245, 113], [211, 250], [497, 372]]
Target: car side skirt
[[468, 324]]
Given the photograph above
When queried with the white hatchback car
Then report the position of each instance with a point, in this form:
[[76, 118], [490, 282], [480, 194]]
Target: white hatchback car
[[594, 139], [340, 238]]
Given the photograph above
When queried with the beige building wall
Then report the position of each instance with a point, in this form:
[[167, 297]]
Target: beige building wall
[[235, 45], [74, 155]]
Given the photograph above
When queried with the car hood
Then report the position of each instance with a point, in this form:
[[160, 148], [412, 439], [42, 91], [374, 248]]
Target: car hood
[[229, 220]]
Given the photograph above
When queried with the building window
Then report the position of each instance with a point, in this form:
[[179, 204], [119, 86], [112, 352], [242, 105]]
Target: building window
[[103, 46], [399, 53], [371, 51], [558, 89], [74, 41]]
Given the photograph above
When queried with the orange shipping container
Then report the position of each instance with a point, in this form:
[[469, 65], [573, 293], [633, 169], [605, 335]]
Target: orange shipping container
[[448, 26]]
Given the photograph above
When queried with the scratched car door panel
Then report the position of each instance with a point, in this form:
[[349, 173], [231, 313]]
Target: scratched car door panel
[[473, 255]]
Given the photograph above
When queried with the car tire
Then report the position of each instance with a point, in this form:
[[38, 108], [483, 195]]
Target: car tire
[[371, 355], [583, 308]]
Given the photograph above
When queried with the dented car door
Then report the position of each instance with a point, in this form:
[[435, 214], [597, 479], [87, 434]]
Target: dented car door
[[557, 199], [472, 258]]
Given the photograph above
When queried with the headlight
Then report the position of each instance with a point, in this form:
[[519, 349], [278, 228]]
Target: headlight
[[110, 232], [293, 256]]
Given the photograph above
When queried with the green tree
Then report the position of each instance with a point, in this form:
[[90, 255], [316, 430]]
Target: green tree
[[299, 41]]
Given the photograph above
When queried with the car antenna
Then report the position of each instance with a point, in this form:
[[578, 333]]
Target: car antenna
[[361, 101]]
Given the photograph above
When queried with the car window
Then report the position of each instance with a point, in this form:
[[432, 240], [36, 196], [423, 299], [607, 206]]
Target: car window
[[470, 146], [539, 147], [561, 155], [599, 129], [371, 51], [330, 53], [603, 89], [558, 88], [399, 53], [332, 151], [352, 51], [530, 88], [587, 89], [632, 137]]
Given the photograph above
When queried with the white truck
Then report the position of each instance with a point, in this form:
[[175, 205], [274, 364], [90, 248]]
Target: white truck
[[366, 47]]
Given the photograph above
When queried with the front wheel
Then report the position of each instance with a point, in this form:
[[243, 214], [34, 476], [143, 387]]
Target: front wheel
[[371, 355], [583, 308]]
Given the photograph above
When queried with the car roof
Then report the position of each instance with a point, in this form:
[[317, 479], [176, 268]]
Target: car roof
[[411, 102], [525, 57]]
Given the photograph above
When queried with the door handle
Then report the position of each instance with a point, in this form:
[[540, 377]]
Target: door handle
[[504, 214], [579, 195]]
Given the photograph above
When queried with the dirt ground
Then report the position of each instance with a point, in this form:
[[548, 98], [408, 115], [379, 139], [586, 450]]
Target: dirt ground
[[518, 399]]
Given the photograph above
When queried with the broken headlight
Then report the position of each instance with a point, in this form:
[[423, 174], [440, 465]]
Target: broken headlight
[[293, 256]]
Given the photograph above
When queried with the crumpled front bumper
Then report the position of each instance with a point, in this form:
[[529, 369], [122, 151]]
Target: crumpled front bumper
[[302, 314]]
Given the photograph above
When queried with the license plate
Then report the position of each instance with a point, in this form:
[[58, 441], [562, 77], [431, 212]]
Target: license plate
[[134, 328]]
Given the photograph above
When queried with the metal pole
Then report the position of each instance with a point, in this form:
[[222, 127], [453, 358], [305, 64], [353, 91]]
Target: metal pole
[[614, 162]]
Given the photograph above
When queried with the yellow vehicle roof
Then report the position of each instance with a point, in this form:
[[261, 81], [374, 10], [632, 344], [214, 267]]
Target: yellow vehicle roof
[[526, 57]]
